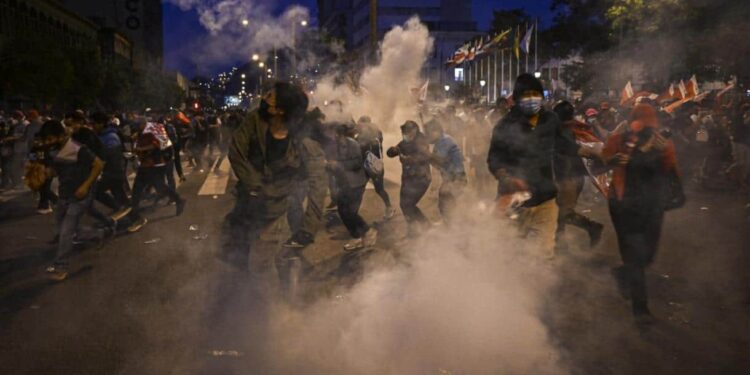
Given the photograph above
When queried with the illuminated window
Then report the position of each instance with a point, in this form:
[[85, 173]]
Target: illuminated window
[[458, 74]]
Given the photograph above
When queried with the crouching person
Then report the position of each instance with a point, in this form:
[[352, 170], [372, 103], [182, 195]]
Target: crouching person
[[77, 168], [449, 160], [270, 153]]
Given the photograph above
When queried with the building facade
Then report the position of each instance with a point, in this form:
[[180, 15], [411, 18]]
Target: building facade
[[361, 23], [140, 21]]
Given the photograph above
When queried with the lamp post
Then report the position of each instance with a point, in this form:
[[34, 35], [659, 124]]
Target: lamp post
[[302, 23], [483, 83]]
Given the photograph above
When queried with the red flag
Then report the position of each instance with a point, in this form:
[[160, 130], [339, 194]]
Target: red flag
[[682, 90], [667, 95]]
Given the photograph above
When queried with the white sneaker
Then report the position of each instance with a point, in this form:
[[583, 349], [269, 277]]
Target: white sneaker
[[44, 211], [354, 244]]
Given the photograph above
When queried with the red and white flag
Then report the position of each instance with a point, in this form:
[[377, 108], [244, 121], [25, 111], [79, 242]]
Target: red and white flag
[[692, 87], [627, 93], [682, 90], [667, 95]]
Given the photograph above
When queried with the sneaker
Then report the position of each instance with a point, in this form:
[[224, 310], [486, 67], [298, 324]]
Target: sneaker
[[370, 238], [44, 211], [390, 212], [121, 213], [137, 225], [180, 205], [355, 244], [57, 272]]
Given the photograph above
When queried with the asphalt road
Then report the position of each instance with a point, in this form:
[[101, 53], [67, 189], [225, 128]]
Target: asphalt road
[[160, 302]]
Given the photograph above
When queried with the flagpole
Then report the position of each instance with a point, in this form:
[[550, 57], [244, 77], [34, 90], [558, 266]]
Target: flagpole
[[502, 71], [494, 85], [536, 45]]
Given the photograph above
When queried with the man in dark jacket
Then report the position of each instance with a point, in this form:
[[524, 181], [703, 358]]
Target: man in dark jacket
[[270, 155], [348, 169], [414, 153], [521, 157], [113, 177]]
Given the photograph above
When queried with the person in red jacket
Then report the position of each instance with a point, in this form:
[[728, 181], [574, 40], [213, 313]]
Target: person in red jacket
[[645, 167]]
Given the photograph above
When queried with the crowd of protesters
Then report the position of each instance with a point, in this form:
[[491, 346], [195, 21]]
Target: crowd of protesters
[[78, 165], [288, 159]]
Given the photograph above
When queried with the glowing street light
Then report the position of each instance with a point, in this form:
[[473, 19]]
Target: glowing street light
[[256, 57], [269, 71], [261, 64], [243, 76], [303, 23], [245, 22], [482, 83], [538, 74], [447, 88]]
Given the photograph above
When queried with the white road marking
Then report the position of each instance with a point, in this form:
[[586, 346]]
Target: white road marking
[[216, 184]]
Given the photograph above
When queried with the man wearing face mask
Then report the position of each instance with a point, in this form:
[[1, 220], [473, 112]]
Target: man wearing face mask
[[270, 152], [521, 156]]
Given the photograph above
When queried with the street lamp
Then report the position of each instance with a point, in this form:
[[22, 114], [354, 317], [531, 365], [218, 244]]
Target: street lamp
[[256, 57], [447, 88], [243, 76], [261, 64], [538, 75], [303, 23], [482, 83], [245, 22]]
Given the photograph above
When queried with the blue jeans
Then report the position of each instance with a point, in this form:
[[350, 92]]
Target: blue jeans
[[68, 215]]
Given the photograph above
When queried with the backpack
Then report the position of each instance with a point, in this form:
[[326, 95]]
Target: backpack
[[374, 165]]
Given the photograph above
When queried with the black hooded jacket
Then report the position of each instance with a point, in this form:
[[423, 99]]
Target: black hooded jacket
[[526, 152]]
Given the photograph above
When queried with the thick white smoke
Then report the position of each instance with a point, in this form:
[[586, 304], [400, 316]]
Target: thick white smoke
[[461, 301], [385, 89], [230, 39]]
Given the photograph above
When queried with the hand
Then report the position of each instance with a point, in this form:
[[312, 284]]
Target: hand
[[81, 192]]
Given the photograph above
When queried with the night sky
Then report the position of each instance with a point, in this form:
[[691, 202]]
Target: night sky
[[181, 26]]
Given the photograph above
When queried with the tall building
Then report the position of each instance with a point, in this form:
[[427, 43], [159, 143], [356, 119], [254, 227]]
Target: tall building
[[361, 23], [50, 20], [139, 20]]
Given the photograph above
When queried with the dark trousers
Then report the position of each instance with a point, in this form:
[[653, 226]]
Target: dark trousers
[[349, 200], [379, 183], [114, 186], [638, 231], [412, 191], [178, 162], [150, 176], [169, 175], [242, 229], [47, 197]]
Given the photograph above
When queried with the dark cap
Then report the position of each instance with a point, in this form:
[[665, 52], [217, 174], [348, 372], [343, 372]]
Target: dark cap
[[526, 82], [408, 126]]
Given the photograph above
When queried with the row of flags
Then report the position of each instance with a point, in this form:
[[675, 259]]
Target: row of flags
[[482, 45], [681, 93]]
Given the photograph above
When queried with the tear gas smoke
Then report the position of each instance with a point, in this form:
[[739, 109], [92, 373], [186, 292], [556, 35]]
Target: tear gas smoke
[[464, 300], [382, 91], [229, 40]]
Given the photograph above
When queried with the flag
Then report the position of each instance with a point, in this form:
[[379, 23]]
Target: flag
[[423, 91], [472, 51], [497, 40], [692, 87], [682, 93], [517, 43], [672, 107], [480, 47], [667, 95], [627, 93], [459, 56], [526, 43]]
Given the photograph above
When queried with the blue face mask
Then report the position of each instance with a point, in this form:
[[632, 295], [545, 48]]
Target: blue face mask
[[530, 106]]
